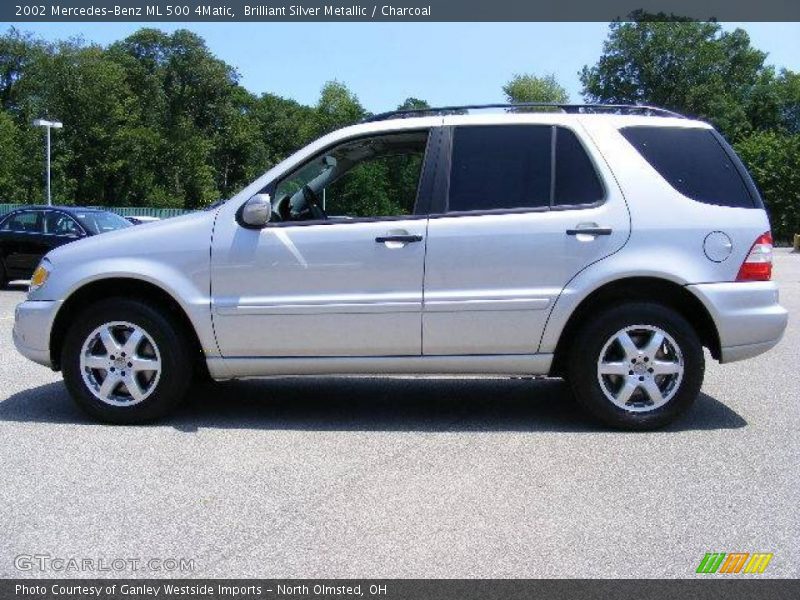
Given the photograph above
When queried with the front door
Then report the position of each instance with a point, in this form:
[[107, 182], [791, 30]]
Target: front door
[[525, 208], [338, 271]]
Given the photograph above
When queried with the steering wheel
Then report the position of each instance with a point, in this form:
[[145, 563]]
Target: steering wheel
[[313, 204]]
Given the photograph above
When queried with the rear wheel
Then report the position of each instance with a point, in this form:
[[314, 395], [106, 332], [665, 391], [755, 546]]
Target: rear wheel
[[636, 366], [125, 362]]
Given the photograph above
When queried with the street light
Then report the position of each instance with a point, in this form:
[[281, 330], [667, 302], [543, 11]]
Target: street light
[[48, 125]]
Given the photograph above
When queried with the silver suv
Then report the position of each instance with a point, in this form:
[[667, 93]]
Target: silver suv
[[604, 245]]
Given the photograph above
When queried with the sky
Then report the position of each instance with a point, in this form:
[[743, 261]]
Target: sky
[[384, 63]]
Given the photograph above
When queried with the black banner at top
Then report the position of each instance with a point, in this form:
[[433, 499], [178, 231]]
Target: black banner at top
[[389, 10]]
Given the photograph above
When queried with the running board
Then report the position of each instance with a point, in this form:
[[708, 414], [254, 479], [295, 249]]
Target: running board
[[490, 364]]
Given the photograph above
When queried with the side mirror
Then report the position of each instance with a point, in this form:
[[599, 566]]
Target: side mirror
[[256, 212]]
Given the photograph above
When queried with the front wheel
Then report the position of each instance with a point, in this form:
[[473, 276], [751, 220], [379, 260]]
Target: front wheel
[[636, 366], [125, 362]]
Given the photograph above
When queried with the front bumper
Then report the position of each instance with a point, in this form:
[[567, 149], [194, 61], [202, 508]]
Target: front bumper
[[33, 322], [748, 317]]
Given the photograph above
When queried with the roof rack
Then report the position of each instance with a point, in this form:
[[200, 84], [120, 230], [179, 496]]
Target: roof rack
[[621, 109]]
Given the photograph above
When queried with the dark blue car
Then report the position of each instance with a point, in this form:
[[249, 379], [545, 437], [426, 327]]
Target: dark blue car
[[27, 234]]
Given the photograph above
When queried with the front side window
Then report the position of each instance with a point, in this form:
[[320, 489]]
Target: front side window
[[507, 167], [28, 221], [370, 177]]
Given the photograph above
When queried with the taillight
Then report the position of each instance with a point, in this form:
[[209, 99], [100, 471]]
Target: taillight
[[758, 264]]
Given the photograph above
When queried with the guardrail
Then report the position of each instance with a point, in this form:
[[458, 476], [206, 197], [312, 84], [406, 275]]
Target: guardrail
[[125, 211]]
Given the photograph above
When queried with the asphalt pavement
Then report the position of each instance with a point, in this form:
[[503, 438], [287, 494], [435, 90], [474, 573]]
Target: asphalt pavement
[[401, 477]]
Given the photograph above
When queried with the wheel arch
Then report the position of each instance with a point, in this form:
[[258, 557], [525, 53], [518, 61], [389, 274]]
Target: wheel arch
[[638, 289], [127, 287]]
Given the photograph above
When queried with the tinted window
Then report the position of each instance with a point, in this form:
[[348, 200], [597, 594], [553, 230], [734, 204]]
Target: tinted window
[[576, 178], [500, 166], [29, 221], [693, 162]]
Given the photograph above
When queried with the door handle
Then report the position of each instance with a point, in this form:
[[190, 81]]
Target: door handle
[[404, 239], [590, 231]]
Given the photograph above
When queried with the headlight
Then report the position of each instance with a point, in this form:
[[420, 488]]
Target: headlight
[[40, 275]]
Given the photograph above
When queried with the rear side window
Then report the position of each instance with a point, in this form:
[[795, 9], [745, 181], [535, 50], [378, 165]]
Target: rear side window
[[28, 221], [576, 178], [694, 162], [498, 167]]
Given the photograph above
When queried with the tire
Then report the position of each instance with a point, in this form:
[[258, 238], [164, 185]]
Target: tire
[[3, 275], [646, 386], [138, 391]]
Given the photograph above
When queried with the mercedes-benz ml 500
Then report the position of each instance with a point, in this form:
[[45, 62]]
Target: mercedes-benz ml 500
[[606, 246]]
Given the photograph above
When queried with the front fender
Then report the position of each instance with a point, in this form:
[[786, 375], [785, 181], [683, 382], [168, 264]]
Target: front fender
[[172, 255]]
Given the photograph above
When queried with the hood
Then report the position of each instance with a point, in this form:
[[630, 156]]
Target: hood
[[186, 232]]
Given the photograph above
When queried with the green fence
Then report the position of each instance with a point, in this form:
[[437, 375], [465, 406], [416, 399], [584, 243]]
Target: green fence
[[125, 211]]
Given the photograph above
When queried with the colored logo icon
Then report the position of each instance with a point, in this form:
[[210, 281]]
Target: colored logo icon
[[734, 562]]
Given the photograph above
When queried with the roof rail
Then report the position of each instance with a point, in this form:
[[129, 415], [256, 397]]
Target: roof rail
[[622, 109]]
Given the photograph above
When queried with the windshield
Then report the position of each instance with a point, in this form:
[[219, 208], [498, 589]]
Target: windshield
[[97, 221]]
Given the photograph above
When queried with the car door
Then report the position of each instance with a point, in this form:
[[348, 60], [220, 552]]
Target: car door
[[349, 284], [523, 208], [24, 242], [61, 228]]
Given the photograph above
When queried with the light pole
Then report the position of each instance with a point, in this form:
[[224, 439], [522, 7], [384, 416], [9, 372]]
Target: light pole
[[48, 125]]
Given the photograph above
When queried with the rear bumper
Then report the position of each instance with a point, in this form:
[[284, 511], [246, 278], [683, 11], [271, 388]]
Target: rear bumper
[[33, 321], [748, 317]]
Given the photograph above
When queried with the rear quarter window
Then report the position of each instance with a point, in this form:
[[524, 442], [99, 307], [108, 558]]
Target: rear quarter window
[[694, 162]]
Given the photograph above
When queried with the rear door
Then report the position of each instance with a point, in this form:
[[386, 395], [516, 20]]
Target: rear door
[[523, 207]]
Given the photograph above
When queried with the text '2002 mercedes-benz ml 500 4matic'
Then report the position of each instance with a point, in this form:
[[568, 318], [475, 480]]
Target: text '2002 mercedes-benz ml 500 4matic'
[[604, 245]]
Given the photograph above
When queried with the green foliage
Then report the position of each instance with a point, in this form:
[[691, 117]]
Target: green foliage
[[382, 187], [10, 158], [152, 120], [336, 108], [697, 69], [530, 88], [687, 66], [773, 160]]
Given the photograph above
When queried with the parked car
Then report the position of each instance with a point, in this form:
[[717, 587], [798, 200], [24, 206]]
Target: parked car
[[141, 219], [604, 246], [27, 234]]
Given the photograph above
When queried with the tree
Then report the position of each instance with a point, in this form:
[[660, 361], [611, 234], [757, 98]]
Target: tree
[[773, 160], [10, 159], [282, 126], [530, 88], [17, 52], [687, 66], [337, 107]]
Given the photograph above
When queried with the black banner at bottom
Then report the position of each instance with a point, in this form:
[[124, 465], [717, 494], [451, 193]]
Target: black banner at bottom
[[401, 589]]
